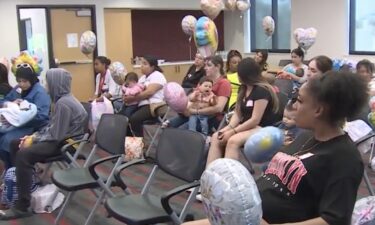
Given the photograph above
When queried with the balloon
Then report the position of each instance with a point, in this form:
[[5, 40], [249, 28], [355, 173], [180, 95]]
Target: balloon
[[364, 211], [372, 103], [305, 38], [211, 8], [230, 4], [338, 64], [268, 25], [229, 194], [206, 37], [188, 24], [175, 97], [26, 58], [243, 5], [118, 72], [261, 146], [87, 42], [5, 62]]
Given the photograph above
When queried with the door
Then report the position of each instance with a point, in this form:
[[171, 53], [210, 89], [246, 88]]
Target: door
[[67, 25]]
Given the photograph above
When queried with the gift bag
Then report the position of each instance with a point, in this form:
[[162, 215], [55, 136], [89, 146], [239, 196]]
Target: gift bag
[[133, 147], [98, 109]]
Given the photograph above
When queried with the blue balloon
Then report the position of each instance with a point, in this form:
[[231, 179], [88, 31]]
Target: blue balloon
[[262, 146]]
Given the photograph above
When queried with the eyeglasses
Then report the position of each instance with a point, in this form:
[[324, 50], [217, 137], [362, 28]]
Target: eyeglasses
[[25, 65]]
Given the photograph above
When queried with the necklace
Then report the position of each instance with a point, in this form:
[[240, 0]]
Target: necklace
[[303, 150]]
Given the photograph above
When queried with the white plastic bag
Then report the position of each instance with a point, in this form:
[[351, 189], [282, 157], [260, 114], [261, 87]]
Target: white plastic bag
[[98, 109], [43, 195]]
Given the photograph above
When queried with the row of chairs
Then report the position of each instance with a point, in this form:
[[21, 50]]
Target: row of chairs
[[185, 162]]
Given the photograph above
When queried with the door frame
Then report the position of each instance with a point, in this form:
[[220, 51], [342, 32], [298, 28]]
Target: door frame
[[49, 28]]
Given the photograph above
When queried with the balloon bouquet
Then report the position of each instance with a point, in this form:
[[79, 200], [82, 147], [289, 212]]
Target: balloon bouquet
[[87, 42]]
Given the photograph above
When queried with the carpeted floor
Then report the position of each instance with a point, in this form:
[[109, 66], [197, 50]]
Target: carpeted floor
[[134, 177]]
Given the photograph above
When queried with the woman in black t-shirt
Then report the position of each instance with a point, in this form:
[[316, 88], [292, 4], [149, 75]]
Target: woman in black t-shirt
[[195, 73], [314, 181], [256, 106]]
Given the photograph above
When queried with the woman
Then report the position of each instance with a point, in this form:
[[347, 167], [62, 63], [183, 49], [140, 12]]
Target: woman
[[29, 89], [261, 57], [319, 65], [233, 58], [221, 88], [256, 107], [365, 68], [68, 119], [5, 88], [297, 55], [194, 74], [314, 180], [151, 100], [105, 85]]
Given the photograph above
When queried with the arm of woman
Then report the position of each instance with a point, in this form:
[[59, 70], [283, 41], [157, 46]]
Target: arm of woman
[[258, 111], [233, 122]]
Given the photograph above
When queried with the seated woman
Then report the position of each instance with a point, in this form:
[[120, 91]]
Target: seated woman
[[256, 107], [221, 88], [314, 180], [194, 74], [29, 89], [365, 68], [297, 55], [233, 58], [261, 57], [104, 83], [318, 65], [151, 99], [68, 119]]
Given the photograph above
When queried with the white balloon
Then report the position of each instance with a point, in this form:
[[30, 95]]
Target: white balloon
[[305, 38], [212, 8], [230, 195], [188, 24], [88, 42], [230, 4], [118, 72], [243, 5], [268, 25]]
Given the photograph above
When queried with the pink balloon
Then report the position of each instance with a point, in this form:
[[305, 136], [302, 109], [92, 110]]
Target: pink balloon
[[175, 97]]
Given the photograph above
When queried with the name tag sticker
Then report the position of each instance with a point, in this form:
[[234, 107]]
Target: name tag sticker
[[305, 156], [249, 103]]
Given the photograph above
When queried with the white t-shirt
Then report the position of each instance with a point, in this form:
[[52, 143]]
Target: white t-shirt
[[154, 78], [109, 85]]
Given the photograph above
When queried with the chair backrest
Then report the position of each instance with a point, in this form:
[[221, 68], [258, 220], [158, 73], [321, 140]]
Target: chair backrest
[[283, 100], [181, 153], [285, 86], [111, 132]]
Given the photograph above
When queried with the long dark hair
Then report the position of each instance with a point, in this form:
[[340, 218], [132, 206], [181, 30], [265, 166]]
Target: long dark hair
[[4, 74], [217, 61], [231, 54], [249, 73], [298, 51], [104, 60], [153, 61], [323, 63], [263, 64]]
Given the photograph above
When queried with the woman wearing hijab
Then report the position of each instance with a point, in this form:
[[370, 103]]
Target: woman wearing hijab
[[28, 88]]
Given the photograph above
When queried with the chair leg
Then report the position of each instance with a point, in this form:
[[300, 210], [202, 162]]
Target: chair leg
[[97, 203], [368, 183], [67, 200]]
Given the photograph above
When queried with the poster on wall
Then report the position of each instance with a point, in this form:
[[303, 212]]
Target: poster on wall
[[72, 40]]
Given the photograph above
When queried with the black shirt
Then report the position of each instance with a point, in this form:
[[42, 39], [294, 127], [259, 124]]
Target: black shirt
[[322, 182], [247, 106], [192, 77]]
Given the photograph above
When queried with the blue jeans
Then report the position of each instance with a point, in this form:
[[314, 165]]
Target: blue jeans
[[178, 121], [203, 123], [128, 110]]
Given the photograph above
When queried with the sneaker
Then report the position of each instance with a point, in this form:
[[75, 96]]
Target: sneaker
[[165, 124], [198, 197], [14, 213]]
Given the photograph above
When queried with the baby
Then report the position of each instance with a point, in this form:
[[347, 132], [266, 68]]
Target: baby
[[289, 124], [201, 98], [16, 114], [131, 87]]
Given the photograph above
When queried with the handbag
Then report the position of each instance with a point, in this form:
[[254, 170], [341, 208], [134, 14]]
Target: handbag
[[133, 147]]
